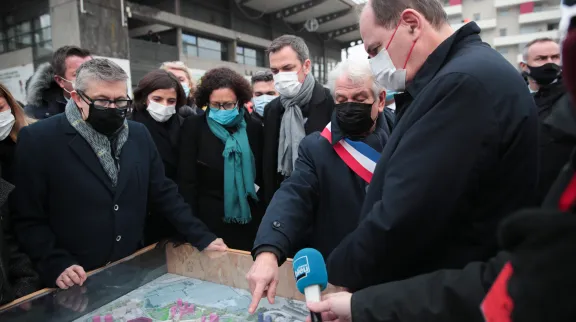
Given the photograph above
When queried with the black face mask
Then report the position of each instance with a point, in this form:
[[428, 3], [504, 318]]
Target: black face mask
[[106, 120], [545, 74], [354, 119]]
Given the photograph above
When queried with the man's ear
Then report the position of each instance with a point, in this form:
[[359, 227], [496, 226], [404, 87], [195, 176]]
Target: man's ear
[[307, 66], [58, 81], [381, 101]]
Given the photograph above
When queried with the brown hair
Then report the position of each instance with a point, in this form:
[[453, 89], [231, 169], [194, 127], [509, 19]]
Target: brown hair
[[154, 80], [223, 77], [59, 58], [21, 119]]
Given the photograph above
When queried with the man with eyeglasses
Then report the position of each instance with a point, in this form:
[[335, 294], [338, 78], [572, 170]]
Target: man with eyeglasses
[[86, 179]]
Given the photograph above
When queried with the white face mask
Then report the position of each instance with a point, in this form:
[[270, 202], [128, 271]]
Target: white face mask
[[7, 121], [160, 113], [386, 74], [287, 84]]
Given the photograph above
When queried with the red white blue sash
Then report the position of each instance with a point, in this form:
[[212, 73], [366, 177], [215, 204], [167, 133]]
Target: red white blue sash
[[358, 156]]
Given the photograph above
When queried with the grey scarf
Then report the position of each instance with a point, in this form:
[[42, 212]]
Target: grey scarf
[[99, 143], [292, 126]]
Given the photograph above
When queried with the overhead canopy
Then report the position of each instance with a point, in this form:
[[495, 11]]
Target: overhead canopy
[[331, 19]]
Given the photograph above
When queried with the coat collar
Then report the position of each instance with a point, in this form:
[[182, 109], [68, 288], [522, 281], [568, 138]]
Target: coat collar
[[440, 56]]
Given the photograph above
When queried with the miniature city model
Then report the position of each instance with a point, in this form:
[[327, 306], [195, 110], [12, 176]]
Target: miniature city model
[[204, 287]]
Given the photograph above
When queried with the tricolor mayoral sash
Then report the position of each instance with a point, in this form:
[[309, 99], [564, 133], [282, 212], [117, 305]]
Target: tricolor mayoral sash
[[358, 156]]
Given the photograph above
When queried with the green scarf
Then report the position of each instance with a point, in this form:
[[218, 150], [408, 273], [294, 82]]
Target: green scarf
[[239, 169]]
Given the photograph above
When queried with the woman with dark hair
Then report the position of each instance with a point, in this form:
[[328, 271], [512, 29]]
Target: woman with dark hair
[[219, 159], [156, 102]]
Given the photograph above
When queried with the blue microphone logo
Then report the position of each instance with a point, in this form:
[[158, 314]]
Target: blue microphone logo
[[302, 267]]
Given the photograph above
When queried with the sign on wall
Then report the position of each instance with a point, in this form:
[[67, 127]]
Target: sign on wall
[[14, 78], [125, 64]]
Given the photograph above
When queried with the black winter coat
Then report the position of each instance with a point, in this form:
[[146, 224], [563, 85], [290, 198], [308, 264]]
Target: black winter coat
[[557, 135], [68, 211], [17, 275], [462, 156], [201, 179], [166, 136], [322, 195], [318, 113]]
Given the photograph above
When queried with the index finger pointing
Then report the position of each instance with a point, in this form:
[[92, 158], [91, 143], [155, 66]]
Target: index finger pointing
[[256, 297]]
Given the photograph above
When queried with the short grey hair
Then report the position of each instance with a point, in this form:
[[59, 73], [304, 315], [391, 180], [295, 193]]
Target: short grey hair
[[531, 43], [98, 69], [296, 43], [262, 76], [387, 12], [356, 70]]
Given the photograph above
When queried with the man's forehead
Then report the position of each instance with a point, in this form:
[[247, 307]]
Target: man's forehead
[[109, 90], [285, 56], [547, 48]]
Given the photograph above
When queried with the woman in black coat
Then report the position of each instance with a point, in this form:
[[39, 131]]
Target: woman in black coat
[[157, 100], [219, 158], [17, 276]]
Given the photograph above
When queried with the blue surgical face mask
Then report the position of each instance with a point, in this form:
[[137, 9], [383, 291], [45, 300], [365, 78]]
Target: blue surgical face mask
[[223, 117], [260, 102], [186, 89], [390, 95]]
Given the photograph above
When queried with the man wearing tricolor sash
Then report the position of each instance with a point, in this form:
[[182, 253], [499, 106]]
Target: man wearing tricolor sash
[[318, 205]]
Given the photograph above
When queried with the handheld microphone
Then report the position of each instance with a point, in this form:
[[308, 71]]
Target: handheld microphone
[[311, 276]]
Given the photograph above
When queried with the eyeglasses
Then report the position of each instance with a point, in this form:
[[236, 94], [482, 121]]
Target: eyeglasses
[[104, 104], [225, 106]]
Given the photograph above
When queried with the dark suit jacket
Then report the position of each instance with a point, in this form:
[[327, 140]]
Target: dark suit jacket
[[322, 196], [68, 211], [201, 179], [318, 113]]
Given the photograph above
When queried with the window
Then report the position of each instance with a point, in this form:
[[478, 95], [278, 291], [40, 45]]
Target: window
[[538, 7], [36, 33], [503, 50], [249, 56], [503, 12], [503, 32], [476, 16], [203, 47], [552, 26], [528, 29]]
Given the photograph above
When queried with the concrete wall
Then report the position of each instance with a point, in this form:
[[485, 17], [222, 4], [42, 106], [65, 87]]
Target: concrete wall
[[16, 58], [65, 23], [206, 64], [101, 30]]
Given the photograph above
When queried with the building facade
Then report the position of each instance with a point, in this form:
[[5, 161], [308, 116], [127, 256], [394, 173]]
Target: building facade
[[141, 34], [508, 25]]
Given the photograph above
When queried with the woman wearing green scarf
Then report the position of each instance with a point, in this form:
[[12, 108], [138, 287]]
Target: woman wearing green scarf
[[220, 159]]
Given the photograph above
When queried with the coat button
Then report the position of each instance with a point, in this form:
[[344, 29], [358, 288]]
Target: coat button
[[116, 207], [118, 238], [276, 224]]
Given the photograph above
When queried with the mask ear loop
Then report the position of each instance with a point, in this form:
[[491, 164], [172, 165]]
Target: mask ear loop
[[393, 34], [409, 54], [411, 48]]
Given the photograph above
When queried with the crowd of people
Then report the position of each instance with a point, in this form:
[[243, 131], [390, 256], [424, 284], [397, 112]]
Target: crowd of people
[[471, 161]]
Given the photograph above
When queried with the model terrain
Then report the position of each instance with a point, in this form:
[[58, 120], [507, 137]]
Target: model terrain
[[175, 298]]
